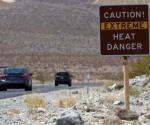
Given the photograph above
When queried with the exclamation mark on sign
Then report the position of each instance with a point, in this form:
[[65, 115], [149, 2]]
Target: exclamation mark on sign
[[143, 14]]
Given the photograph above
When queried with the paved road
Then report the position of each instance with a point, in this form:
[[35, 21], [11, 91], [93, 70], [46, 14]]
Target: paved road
[[42, 89]]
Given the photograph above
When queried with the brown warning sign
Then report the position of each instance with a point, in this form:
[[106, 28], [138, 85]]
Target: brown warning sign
[[124, 30]]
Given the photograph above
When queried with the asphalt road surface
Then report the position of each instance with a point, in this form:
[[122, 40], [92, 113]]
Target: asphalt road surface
[[43, 89]]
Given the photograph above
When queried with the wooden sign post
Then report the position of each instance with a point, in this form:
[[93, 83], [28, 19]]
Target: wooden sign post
[[126, 82]]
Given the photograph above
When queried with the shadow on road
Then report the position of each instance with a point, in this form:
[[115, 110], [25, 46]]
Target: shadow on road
[[44, 89]]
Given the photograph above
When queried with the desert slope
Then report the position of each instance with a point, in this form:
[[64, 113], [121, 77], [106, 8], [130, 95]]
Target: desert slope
[[51, 26], [36, 33]]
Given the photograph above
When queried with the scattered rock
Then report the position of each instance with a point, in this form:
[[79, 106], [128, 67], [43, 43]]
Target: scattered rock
[[118, 103], [89, 112], [116, 86], [88, 109], [144, 120], [140, 80], [116, 109], [41, 110], [147, 115], [142, 84], [146, 97], [136, 101], [70, 117], [112, 120], [145, 83], [127, 115], [75, 92], [98, 116]]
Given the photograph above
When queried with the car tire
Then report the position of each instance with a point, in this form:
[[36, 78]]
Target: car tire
[[28, 88], [3, 89], [69, 85], [56, 84]]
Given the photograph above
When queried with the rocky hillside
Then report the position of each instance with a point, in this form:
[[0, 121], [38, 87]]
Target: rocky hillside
[[100, 2], [51, 26]]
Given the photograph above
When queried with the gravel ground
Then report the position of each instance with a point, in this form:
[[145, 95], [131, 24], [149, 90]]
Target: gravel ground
[[95, 106]]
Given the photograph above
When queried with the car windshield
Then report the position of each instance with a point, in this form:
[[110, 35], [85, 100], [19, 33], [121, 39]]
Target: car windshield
[[2, 69], [14, 70], [62, 74]]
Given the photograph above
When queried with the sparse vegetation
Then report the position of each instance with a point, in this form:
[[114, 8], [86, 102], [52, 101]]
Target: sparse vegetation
[[26, 124], [34, 101], [108, 83], [40, 77], [109, 98], [140, 67], [13, 112], [66, 102], [135, 91], [43, 77]]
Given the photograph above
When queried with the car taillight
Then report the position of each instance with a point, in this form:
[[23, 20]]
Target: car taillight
[[2, 76], [24, 76]]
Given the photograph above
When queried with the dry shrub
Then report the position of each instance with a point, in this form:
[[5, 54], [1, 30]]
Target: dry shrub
[[34, 101], [108, 83], [109, 97], [140, 67], [40, 77], [66, 102], [135, 91], [112, 121], [13, 111], [26, 124]]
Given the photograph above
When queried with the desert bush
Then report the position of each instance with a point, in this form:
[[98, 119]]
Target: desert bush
[[112, 121], [26, 124], [43, 77], [109, 97], [34, 101], [13, 111], [140, 67], [108, 83], [40, 77], [135, 91], [66, 102]]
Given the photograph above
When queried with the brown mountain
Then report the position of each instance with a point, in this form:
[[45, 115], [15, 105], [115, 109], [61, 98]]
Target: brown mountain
[[34, 33], [50, 26]]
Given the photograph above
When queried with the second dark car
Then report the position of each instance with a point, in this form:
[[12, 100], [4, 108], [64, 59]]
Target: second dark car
[[15, 77], [63, 78]]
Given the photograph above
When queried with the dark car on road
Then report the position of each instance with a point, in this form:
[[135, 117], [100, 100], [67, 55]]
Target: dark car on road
[[15, 77], [63, 78]]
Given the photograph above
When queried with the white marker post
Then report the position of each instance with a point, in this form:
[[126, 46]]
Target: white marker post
[[87, 76], [88, 80], [126, 82]]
